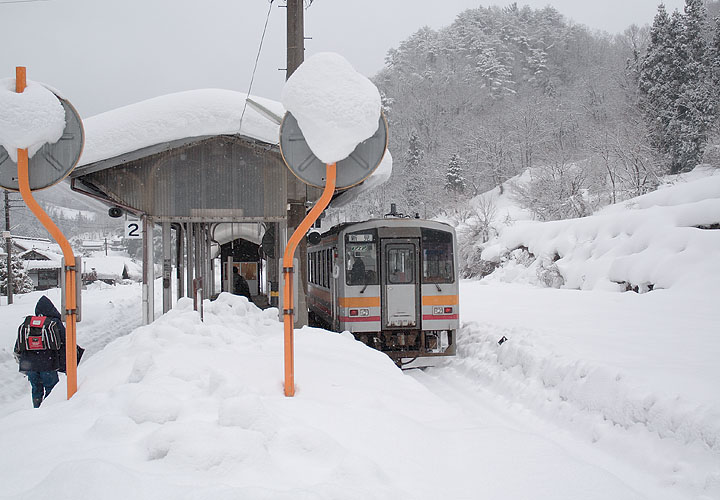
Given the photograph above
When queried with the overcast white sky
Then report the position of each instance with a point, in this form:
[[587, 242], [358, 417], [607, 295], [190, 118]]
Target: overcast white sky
[[105, 54]]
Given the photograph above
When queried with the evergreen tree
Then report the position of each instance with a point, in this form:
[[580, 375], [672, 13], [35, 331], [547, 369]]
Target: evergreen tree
[[657, 80], [413, 173], [21, 281], [454, 180], [696, 107], [676, 83], [715, 64]]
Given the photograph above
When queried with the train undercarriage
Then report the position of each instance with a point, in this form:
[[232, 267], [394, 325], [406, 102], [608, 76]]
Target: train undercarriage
[[410, 344]]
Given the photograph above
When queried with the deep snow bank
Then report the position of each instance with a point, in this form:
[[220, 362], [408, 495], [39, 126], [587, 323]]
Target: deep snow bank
[[661, 239], [635, 374], [188, 403]]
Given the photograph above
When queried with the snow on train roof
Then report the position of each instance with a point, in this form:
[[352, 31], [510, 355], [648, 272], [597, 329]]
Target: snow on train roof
[[166, 118]]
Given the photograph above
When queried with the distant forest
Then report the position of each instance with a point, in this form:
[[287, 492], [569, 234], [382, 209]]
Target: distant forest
[[595, 118]]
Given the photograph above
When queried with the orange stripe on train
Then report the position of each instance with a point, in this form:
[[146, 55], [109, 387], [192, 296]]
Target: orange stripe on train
[[439, 300], [359, 301]]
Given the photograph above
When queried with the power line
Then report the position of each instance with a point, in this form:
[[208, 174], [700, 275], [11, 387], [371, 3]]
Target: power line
[[257, 58], [23, 1]]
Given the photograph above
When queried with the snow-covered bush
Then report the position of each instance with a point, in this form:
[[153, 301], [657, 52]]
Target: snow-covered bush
[[477, 230], [22, 283], [549, 274], [554, 192]]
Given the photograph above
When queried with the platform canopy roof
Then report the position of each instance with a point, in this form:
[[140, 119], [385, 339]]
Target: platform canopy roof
[[173, 117], [162, 156]]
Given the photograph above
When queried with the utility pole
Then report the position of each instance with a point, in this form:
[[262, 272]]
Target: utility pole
[[295, 36], [8, 249], [296, 189]]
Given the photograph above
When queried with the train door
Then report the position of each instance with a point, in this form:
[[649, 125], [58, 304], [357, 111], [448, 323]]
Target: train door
[[400, 283]]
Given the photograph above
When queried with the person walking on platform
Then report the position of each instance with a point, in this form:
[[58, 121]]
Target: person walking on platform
[[40, 349], [240, 285]]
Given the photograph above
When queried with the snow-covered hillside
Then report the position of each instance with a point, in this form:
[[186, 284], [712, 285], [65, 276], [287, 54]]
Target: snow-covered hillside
[[660, 240]]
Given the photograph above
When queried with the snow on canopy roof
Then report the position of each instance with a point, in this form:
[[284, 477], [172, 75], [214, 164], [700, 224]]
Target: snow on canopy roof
[[194, 113]]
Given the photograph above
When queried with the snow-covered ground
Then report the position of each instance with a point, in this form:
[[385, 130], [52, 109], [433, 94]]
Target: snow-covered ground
[[595, 394]]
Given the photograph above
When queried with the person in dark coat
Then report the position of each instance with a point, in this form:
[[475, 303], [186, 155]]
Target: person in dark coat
[[357, 273], [41, 367], [240, 285]]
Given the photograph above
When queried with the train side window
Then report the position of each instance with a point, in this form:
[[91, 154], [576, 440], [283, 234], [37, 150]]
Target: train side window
[[437, 256], [316, 275], [316, 278], [314, 268], [328, 267], [310, 267], [323, 267]]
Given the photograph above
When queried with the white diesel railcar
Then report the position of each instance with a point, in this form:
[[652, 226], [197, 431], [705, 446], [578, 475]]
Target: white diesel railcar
[[392, 283]]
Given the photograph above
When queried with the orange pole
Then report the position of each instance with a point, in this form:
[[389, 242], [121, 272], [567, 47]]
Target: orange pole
[[288, 272], [36, 209], [20, 79]]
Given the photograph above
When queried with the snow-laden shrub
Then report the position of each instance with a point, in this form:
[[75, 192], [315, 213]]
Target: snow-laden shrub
[[477, 222], [549, 274]]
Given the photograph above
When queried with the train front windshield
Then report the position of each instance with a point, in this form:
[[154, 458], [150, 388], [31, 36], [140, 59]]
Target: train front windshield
[[437, 251], [361, 259]]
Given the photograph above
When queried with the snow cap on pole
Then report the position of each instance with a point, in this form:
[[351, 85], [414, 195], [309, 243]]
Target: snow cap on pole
[[336, 107], [30, 119]]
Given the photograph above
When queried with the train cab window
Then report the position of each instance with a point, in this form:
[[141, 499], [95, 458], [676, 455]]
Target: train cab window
[[361, 258], [400, 264], [437, 255]]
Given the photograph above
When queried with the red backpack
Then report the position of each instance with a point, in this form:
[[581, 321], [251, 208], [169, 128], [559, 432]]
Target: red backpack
[[37, 333]]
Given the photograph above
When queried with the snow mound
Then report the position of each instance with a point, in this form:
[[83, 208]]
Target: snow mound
[[190, 402], [530, 372], [336, 107], [663, 239], [30, 119]]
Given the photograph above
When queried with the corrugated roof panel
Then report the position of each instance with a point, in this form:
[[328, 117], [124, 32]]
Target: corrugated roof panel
[[220, 178]]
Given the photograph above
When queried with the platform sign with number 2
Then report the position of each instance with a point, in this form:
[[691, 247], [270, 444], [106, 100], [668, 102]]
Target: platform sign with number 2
[[133, 230]]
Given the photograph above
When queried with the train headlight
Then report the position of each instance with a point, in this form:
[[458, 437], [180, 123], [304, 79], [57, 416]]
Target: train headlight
[[437, 310], [365, 312]]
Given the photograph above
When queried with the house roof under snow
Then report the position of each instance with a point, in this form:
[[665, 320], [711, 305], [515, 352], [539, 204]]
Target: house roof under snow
[[42, 244], [111, 267]]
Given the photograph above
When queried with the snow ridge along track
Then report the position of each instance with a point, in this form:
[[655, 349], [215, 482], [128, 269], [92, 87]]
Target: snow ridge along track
[[599, 402]]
